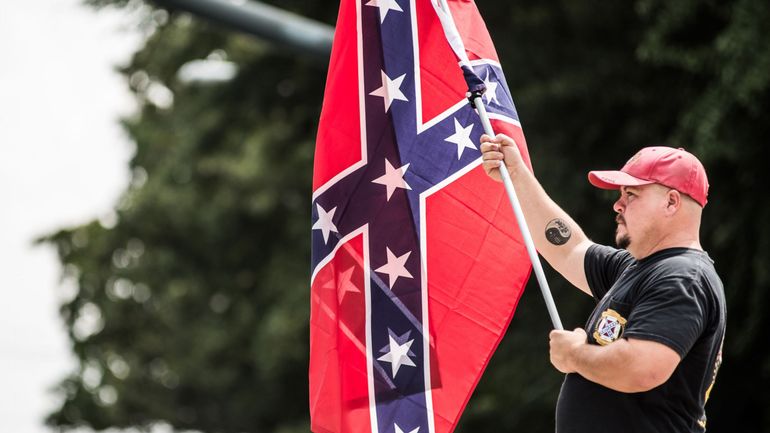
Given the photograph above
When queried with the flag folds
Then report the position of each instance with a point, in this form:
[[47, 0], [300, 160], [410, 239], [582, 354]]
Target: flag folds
[[417, 265]]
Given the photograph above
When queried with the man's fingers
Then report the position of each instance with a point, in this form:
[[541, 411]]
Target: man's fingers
[[504, 140], [492, 155], [499, 138], [489, 146], [553, 334]]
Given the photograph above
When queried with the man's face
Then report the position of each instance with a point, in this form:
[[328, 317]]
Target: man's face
[[638, 210]]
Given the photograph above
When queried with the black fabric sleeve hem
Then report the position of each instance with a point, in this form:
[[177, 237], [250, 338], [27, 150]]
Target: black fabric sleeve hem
[[588, 256], [658, 339]]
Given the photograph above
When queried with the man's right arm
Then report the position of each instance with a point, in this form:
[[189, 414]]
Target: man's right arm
[[557, 237]]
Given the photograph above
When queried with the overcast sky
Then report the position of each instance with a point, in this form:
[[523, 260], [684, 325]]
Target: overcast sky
[[63, 161]]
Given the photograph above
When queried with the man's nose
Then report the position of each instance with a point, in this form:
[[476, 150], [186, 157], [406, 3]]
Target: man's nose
[[618, 206]]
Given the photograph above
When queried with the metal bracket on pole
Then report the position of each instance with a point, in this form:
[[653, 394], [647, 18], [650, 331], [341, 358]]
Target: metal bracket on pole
[[476, 101]]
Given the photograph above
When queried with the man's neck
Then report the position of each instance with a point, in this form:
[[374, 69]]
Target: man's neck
[[674, 241]]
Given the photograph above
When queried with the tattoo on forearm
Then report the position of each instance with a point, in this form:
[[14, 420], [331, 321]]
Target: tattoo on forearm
[[557, 232]]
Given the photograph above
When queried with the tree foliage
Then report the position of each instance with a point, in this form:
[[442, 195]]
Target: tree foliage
[[192, 305]]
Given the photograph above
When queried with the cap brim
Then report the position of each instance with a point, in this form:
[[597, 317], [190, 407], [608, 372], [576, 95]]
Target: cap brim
[[614, 179]]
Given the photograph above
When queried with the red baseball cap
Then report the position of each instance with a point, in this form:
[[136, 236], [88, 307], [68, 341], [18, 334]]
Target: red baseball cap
[[674, 168]]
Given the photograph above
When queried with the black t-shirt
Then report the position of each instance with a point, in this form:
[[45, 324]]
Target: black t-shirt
[[673, 297]]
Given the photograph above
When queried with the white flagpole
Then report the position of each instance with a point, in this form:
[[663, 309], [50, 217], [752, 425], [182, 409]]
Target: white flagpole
[[456, 42], [516, 205]]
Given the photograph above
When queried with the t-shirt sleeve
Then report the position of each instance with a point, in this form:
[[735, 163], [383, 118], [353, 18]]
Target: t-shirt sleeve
[[671, 312], [603, 266]]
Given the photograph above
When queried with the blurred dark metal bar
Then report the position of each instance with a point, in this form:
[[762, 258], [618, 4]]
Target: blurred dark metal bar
[[289, 30]]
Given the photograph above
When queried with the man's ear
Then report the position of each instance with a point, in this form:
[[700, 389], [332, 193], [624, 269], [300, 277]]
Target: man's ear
[[673, 201]]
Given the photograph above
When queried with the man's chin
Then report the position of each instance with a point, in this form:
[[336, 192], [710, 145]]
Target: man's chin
[[623, 241]]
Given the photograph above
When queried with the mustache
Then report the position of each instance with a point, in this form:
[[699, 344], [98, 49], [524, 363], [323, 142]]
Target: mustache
[[620, 220]]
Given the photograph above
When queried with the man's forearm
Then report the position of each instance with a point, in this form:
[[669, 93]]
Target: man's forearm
[[606, 365], [625, 366], [558, 238], [553, 230]]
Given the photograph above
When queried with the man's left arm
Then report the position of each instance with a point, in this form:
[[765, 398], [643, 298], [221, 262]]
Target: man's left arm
[[626, 365]]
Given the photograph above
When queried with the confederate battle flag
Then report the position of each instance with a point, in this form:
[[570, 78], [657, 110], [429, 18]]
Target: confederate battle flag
[[417, 261]]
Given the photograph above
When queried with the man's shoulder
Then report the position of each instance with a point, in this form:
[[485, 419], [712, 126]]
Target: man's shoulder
[[682, 262], [689, 271]]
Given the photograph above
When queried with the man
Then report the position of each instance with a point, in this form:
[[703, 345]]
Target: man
[[651, 348]]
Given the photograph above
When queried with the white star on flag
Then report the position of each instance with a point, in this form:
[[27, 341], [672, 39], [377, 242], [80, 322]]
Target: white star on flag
[[462, 138], [397, 352], [390, 90], [346, 284], [398, 429], [393, 178], [324, 222], [491, 93], [395, 267], [385, 6]]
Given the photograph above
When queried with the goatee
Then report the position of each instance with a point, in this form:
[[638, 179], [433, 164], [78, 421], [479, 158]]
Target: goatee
[[622, 241]]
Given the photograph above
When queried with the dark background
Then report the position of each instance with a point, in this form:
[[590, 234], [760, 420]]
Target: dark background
[[203, 282]]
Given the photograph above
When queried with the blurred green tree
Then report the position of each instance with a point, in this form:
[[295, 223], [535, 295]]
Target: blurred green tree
[[192, 302], [192, 306]]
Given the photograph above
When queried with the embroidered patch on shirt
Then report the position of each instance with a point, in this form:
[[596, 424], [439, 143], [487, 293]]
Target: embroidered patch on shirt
[[610, 327]]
